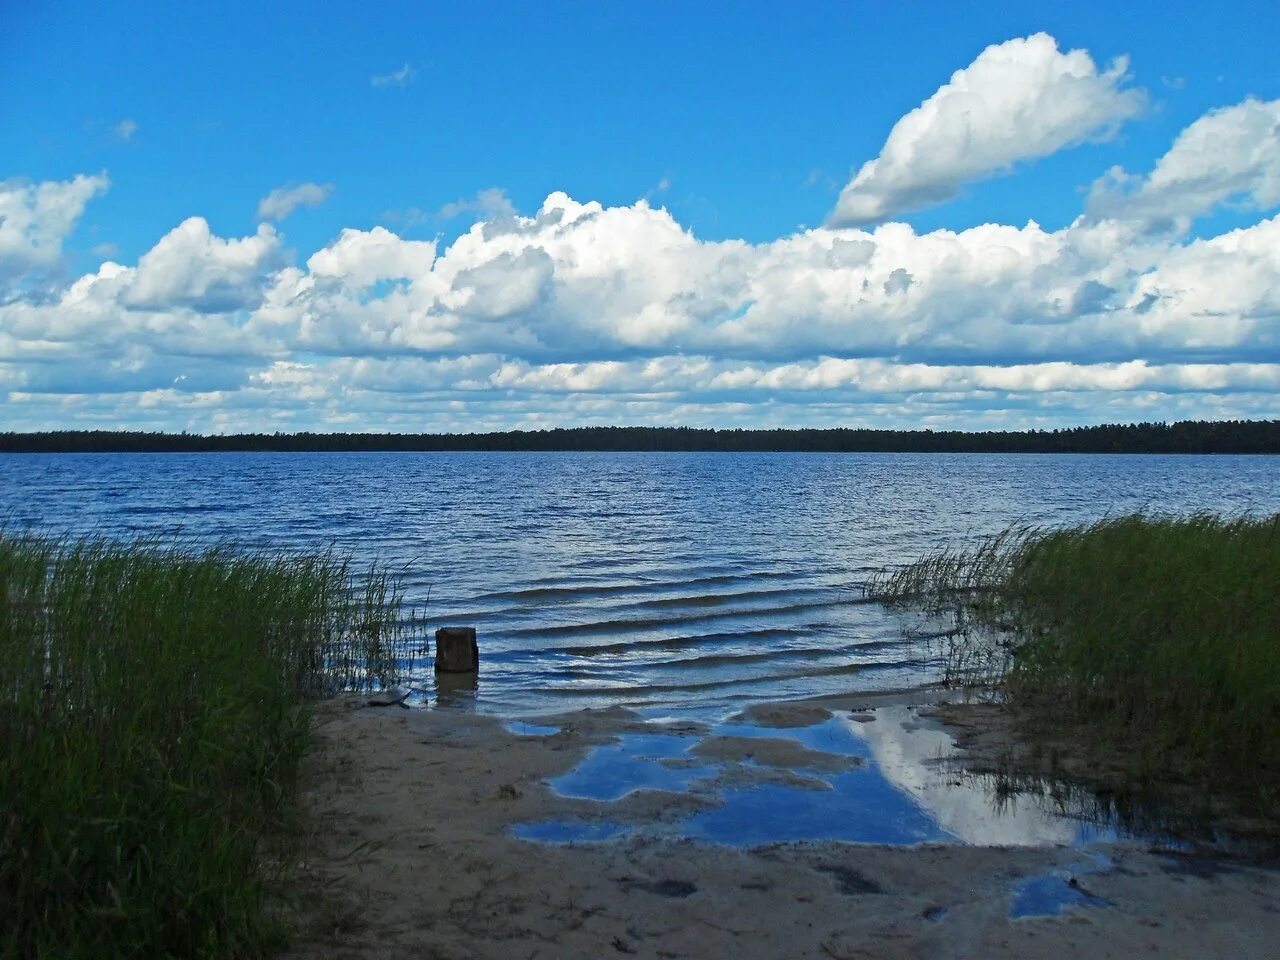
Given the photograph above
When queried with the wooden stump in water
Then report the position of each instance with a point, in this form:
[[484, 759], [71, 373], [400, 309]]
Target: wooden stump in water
[[456, 650]]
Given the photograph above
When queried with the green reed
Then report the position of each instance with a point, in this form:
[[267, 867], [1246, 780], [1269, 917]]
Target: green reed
[[1161, 632], [152, 719]]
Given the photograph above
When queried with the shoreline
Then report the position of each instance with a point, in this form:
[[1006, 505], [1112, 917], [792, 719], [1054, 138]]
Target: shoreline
[[410, 853]]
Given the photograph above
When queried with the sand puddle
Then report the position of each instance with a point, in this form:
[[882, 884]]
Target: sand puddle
[[1048, 894], [884, 777]]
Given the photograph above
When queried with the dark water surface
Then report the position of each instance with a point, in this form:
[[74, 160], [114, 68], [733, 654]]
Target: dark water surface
[[678, 582]]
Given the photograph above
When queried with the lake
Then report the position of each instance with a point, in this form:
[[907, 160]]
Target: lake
[[680, 583]]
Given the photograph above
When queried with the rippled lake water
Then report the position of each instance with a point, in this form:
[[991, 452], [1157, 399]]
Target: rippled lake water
[[677, 582]]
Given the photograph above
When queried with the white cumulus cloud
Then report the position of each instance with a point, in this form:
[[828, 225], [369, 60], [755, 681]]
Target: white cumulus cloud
[[282, 201], [1228, 154], [360, 258], [35, 219], [191, 268], [1019, 100], [492, 203]]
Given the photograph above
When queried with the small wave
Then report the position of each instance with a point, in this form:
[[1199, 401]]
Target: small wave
[[781, 655], [640, 691], [645, 623], [719, 599], [678, 643], [169, 508], [640, 585]]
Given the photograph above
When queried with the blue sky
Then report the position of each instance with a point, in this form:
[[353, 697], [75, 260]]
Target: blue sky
[[723, 299]]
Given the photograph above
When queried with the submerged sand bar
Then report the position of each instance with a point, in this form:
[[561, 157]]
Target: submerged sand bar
[[443, 833]]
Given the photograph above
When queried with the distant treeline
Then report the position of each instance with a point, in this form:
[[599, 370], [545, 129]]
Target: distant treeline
[[1231, 436]]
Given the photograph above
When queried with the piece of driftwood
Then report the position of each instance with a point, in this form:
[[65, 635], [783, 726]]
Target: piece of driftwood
[[456, 650]]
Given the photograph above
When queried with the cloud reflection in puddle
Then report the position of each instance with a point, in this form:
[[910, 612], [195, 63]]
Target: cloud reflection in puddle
[[900, 792]]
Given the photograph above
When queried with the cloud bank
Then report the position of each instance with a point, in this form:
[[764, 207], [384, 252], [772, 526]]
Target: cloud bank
[[583, 313]]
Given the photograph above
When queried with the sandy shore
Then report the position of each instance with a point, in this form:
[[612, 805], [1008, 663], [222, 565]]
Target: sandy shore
[[411, 855]]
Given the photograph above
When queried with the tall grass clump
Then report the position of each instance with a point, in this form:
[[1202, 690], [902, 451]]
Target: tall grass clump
[[1161, 632], [152, 719]]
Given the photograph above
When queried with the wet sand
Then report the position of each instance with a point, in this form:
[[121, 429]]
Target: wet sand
[[410, 854]]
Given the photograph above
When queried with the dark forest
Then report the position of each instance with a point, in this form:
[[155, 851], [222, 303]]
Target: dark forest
[[1233, 436]]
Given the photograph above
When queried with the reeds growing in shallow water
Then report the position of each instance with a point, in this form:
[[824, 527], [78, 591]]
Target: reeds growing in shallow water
[[1162, 632], [152, 719]]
